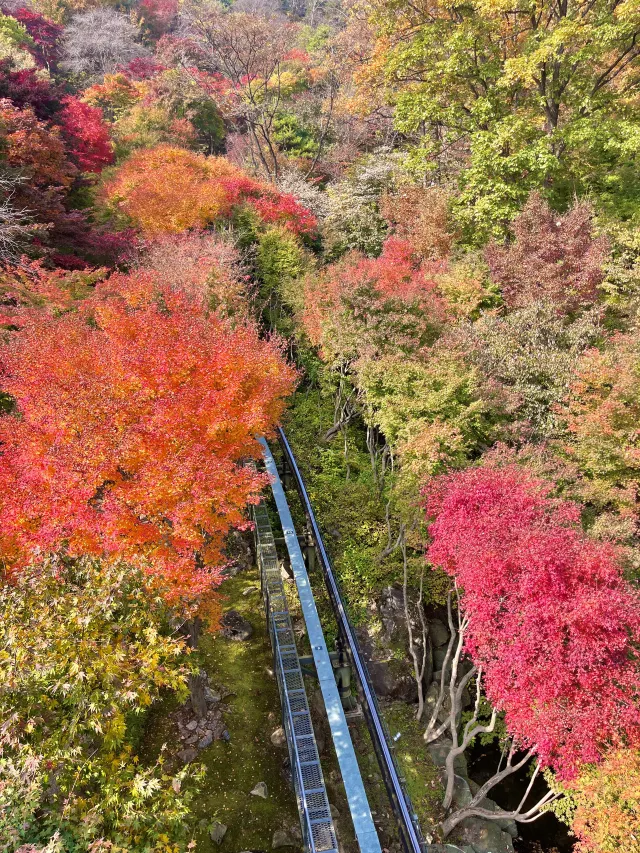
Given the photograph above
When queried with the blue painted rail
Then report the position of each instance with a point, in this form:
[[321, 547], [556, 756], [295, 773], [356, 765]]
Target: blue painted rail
[[364, 826]]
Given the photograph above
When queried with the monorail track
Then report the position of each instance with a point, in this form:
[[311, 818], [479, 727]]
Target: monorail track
[[406, 818]]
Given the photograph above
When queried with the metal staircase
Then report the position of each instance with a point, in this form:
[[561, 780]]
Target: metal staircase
[[319, 835]]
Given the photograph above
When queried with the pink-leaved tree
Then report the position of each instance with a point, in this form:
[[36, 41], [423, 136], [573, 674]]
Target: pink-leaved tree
[[547, 620]]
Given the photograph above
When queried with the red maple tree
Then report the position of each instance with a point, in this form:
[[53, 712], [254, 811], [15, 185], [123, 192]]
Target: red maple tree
[[552, 622], [157, 15], [86, 135], [45, 34]]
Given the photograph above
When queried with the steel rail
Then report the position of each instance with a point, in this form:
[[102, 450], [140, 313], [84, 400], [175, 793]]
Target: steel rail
[[407, 820]]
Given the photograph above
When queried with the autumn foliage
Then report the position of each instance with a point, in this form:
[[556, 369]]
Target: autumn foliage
[[115, 94], [203, 265], [360, 306], [29, 290], [553, 257], [44, 33], [48, 141], [421, 217], [604, 798], [602, 411], [133, 415], [28, 87], [86, 135], [403, 198], [169, 190], [35, 147], [157, 15], [552, 623]]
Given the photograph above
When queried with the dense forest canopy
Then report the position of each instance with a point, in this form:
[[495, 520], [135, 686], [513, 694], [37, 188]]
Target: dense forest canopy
[[424, 216]]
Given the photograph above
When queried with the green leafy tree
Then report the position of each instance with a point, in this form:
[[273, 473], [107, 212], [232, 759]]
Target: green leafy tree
[[528, 357], [431, 408], [525, 96], [280, 264], [293, 136], [83, 652]]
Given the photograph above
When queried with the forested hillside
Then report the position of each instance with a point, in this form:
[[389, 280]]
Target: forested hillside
[[409, 232]]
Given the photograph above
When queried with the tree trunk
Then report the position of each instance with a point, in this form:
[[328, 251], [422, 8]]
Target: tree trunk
[[191, 630], [198, 681], [197, 685], [522, 814], [418, 654]]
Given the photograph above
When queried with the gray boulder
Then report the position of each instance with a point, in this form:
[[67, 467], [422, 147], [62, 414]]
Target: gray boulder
[[387, 654], [464, 791], [462, 795], [394, 623], [240, 553], [439, 751], [438, 632], [391, 679], [217, 832], [291, 837], [211, 697], [206, 740], [431, 699], [485, 836], [278, 737], [187, 755], [439, 656]]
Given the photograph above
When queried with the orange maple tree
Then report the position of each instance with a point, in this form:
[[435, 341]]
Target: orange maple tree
[[604, 813], [170, 190], [134, 413]]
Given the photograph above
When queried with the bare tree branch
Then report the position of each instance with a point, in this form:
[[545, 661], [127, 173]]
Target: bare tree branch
[[97, 41]]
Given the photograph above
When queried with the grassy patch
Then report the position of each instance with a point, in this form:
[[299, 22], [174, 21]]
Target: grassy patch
[[421, 774], [234, 768], [341, 487]]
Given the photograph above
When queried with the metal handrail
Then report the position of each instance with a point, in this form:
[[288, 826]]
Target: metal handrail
[[359, 808]]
